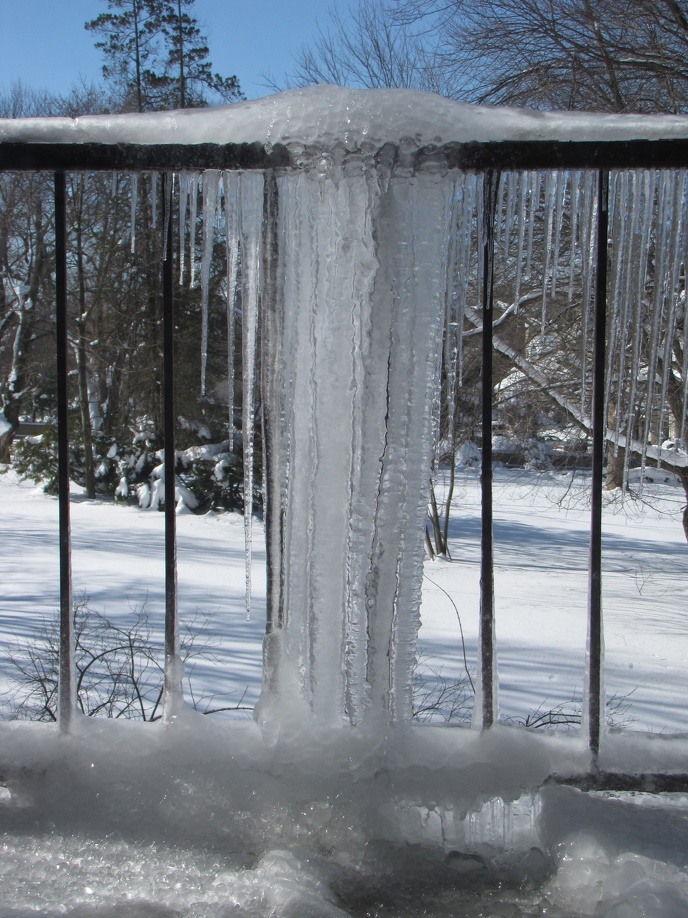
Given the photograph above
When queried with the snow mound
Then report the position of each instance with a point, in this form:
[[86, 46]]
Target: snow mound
[[324, 116]]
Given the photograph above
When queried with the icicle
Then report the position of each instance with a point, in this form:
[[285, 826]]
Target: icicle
[[576, 179], [251, 230], [588, 245], [134, 179], [114, 184], [535, 181], [466, 229], [510, 211], [451, 330], [522, 220], [684, 315], [672, 231], [154, 198], [561, 181], [500, 222], [684, 367], [192, 228], [231, 182], [634, 263], [184, 185], [211, 184], [550, 193], [619, 256], [645, 229], [628, 204], [663, 228], [169, 186]]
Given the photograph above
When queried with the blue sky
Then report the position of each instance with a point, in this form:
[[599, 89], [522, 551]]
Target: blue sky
[[44, 44]]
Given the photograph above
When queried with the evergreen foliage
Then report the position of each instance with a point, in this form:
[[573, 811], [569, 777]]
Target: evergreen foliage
[[157, 56]]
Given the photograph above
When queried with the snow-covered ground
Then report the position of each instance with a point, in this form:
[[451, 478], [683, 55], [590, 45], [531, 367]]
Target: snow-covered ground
[[199, 821], [541, 555]]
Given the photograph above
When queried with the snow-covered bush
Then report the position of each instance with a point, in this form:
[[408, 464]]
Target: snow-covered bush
[[209, 476]]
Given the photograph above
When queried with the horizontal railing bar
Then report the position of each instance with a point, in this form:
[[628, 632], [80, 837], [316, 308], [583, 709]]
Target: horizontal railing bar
[[648, 782], [473, 156], [95, 157]]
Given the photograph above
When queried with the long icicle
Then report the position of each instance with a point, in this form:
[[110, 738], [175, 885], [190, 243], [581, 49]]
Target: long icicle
[[251, 232], [230, 182], [211, 184]]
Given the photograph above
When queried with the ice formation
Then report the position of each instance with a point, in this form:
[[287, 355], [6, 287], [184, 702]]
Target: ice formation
[[353, 264], [352, 261]]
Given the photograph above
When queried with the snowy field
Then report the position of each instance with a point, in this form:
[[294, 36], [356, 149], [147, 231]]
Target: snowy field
[[127, 821], [541, 554]]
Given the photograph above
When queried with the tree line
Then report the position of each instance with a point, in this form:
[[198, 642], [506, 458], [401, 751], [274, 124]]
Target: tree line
[[612, 56], [155, 57]]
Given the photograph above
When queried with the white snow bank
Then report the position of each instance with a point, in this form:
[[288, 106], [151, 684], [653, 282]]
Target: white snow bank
[[357, 118]]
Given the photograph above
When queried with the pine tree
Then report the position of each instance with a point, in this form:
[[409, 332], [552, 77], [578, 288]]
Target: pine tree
[[131, 34], [188, 71], [157, 56]]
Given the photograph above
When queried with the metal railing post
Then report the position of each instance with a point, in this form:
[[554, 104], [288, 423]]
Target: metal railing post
[[66, 686], [594, 675], [488, 688], [173, 672]]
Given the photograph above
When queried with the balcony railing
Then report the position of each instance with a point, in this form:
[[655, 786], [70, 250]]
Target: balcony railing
[[487, 157]]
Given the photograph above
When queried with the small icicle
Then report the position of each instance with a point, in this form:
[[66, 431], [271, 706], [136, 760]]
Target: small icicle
[[467, 227], [576, 178], [169, 186], [510, 211], [192, 228], [561, 183], [251, 233], [500, 223], [522, 220], [154, 198], [184, 184], [211, 184], [534, 207], [134, 179], [550, 192]]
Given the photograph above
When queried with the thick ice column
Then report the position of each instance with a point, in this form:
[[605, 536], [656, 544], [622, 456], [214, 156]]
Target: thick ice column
[[356, 304]]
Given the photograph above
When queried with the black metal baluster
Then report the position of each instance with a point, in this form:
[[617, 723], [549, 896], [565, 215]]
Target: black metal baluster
[[173, 675], [594, 681], [487, 615], [66, 686]]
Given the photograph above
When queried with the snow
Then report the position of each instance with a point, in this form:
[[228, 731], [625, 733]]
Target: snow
[[138, 816], [323, 115]]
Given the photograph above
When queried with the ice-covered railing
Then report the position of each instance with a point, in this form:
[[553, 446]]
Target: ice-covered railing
[[373, 227]]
